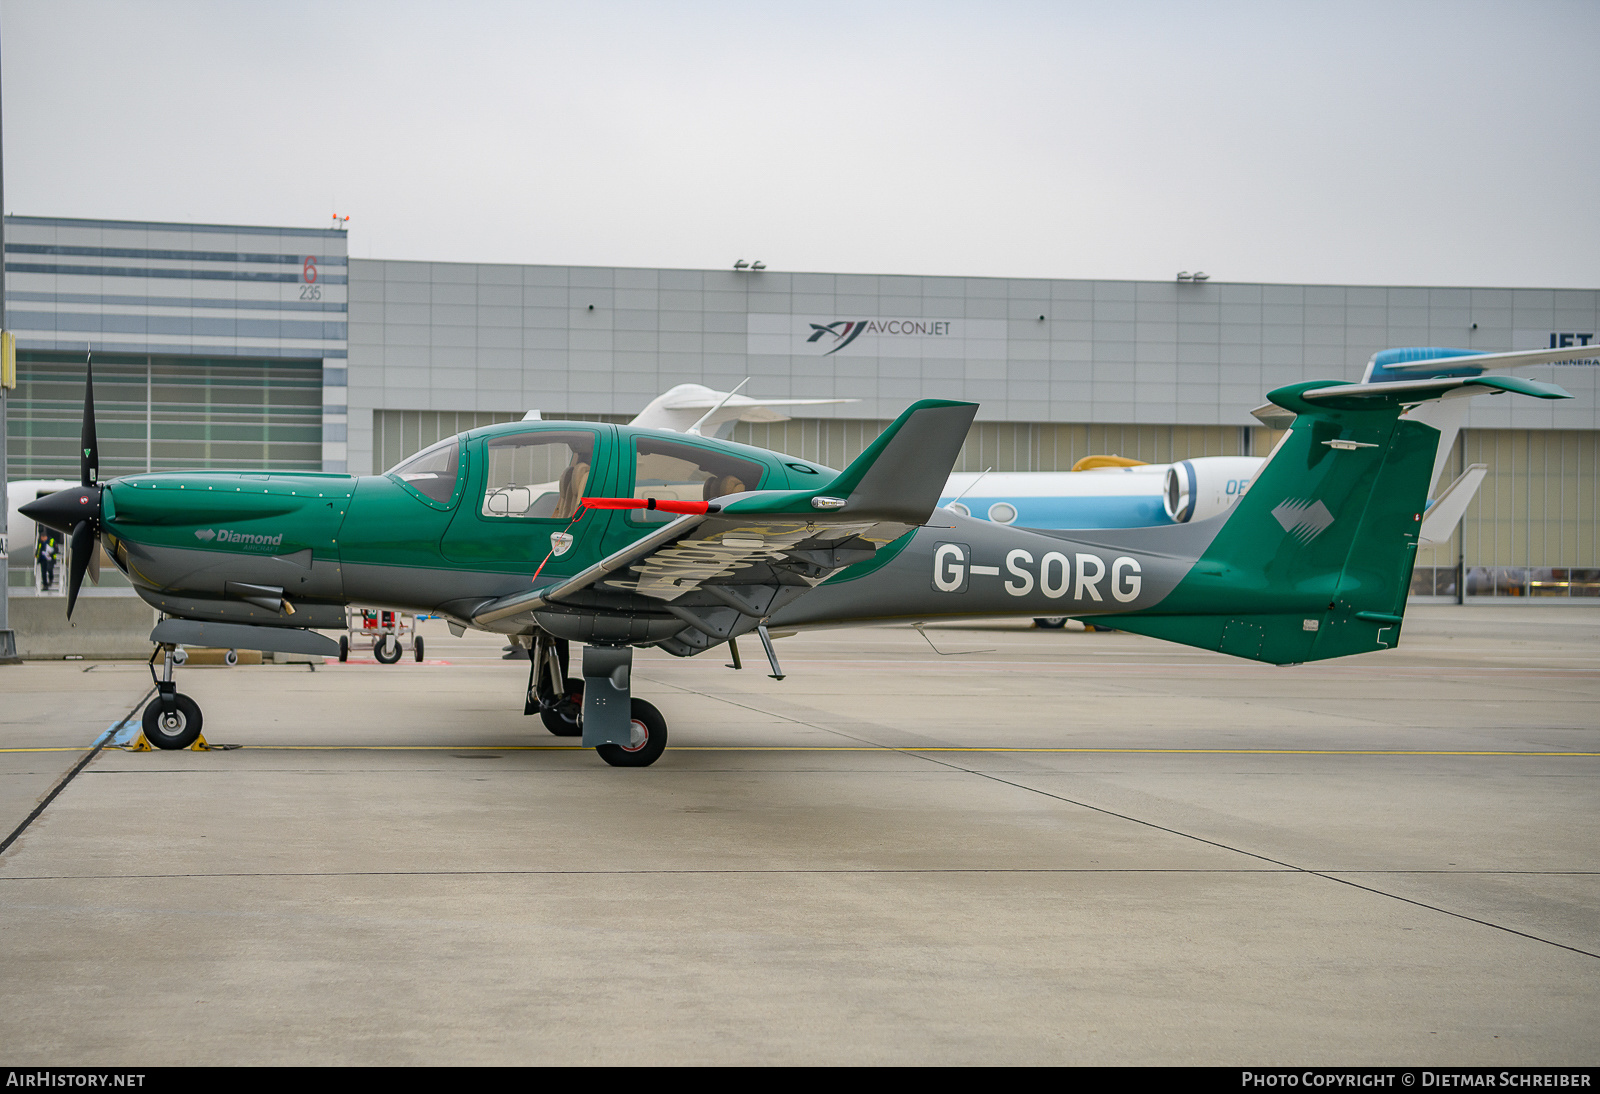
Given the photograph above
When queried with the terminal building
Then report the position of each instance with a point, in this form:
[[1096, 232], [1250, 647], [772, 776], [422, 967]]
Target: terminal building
[[249, 348]]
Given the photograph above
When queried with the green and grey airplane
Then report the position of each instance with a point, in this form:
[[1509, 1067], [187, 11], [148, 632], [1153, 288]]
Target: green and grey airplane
[[617, 537]]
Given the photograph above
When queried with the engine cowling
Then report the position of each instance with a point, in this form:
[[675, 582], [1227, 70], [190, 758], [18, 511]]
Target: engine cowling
[[1206, 486]]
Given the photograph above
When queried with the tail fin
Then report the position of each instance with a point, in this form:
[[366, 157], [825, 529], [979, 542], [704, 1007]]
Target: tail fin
[[1315, 561]]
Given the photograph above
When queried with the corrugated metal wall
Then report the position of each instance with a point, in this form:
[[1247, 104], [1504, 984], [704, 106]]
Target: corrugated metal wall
[[1534, 528], [1004, 446], [397, 434]]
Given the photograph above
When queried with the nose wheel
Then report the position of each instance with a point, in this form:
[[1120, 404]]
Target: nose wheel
[[177, 727]]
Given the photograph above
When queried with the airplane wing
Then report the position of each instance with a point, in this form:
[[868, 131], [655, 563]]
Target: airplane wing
[[722, 567], [1489, 362], [681, 407]]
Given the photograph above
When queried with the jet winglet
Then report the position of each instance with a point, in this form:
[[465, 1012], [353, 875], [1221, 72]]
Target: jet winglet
[[898, 478]]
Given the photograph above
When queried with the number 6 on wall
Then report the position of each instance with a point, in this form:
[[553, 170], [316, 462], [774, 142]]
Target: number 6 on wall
[[309, 271]]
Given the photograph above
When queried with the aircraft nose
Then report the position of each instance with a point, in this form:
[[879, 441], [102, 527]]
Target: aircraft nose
[[65, 509]]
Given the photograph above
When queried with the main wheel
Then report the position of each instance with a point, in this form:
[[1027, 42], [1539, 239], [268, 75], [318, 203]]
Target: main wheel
[[344, 647], [563, 720], [649, 739], [176, 730], [418, 647], [231, 658], [386, 650], [1050, 622]]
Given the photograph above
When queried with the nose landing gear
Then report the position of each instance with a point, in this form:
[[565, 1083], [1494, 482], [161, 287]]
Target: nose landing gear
[[171, 719]]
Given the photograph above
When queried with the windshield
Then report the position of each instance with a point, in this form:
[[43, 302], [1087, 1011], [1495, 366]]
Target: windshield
[[432, 472]]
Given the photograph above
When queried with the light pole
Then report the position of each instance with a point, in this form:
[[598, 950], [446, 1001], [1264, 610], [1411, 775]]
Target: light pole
[[8, 640]]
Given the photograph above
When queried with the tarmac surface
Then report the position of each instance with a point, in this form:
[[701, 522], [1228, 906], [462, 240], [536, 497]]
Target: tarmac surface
[[992, 844]]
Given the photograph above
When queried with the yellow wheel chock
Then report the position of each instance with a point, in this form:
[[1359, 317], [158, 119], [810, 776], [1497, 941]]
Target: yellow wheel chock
[[142, 744]]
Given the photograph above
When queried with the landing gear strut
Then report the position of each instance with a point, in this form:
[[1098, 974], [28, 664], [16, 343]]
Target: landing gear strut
[[625, 731], [553, 695], [171, 719]]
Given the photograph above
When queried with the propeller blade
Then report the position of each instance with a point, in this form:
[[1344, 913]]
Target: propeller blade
[[89, 446], [83, 541], [94, 561]]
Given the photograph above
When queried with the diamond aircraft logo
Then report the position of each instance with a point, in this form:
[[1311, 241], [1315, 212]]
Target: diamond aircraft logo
[[248, 540], [1304, 520]]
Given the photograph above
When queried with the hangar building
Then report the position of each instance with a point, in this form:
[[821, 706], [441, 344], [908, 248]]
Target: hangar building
[[249, 347]]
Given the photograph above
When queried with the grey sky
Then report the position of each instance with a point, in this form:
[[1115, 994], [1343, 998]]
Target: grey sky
[[1368, 143]]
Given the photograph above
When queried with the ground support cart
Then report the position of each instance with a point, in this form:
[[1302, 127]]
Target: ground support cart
[[387, 634]]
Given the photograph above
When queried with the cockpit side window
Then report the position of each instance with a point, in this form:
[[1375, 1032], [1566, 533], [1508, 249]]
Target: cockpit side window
[[685, 472], [433, 471], [540, 475]]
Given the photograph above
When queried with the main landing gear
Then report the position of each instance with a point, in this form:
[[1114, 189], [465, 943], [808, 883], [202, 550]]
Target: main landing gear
[[625, 731], [171, 719]]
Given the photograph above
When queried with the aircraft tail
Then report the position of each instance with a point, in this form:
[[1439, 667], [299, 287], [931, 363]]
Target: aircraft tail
[[1315, 561]]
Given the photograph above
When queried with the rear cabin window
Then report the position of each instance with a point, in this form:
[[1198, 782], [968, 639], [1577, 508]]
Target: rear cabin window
[[683, 472], [432, 472], [541, 475]]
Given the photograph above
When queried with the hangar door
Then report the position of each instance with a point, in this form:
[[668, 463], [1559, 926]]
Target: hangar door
[[158, 413]]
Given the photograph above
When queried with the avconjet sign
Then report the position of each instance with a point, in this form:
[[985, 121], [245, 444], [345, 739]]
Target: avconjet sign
[[935, 327], [844, 331]]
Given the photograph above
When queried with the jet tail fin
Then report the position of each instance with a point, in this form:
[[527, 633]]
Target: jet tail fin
[[1315, 561], [1439, 522]]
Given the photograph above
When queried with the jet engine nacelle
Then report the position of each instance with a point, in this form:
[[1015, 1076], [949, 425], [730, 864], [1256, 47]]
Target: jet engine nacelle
[[1204, 487]]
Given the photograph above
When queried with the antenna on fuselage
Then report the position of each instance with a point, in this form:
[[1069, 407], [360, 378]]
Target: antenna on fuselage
[[952, 503]]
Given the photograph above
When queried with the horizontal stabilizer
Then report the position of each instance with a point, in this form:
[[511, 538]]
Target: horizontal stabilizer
[[1402, 392]]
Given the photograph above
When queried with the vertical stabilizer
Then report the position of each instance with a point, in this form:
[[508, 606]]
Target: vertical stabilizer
[[1315, 561]]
